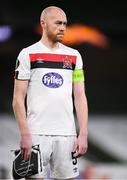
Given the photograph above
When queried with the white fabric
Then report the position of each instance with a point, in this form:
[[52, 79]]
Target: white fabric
[[49, 110], [57, 158]]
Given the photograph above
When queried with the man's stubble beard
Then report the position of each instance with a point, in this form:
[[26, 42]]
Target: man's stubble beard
[[53, 37]]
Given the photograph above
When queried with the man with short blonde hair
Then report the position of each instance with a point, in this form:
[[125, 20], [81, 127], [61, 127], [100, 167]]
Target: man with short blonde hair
[[48, 72]]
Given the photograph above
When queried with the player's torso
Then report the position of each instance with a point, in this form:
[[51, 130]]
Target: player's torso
[[51, 71], [50, 90]]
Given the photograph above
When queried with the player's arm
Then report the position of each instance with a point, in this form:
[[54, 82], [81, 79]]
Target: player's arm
[[81, 107], [20, 89]]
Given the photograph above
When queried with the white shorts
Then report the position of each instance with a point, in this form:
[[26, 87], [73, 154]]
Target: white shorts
[[57, 156]]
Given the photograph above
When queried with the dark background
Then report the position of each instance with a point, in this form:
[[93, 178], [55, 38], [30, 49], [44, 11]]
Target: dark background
[[105, 69], [105, 73]]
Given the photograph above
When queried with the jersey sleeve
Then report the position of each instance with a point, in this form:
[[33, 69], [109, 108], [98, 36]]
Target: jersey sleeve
[[78, 73], [22, 70], [79, 62]]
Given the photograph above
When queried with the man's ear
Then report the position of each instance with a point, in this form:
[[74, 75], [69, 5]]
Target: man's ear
[[42, 23]]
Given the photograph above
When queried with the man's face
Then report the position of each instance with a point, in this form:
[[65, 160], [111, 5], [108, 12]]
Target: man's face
[[55, 26]]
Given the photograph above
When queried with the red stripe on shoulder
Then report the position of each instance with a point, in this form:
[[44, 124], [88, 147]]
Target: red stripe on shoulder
[[52, 57]]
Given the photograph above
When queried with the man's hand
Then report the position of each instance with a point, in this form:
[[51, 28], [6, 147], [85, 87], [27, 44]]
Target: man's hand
[[26, 145], [80, 146]]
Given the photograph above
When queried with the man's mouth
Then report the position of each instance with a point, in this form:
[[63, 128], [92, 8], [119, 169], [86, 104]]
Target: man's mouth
[[60, 34]]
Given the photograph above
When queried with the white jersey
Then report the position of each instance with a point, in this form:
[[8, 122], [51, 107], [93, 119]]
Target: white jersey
[[49, 95]]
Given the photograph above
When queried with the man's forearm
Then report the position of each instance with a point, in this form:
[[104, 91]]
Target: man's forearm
[[20, 114], [82, 113]]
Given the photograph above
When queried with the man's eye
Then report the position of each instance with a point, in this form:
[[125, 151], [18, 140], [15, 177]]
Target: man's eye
[[59, 23], [65, 24]]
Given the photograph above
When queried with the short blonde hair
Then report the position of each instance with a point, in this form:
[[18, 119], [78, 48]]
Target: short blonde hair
[[48, 10]]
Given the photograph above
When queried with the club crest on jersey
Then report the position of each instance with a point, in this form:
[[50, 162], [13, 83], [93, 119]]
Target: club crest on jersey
[[67, 63], [52, 80]]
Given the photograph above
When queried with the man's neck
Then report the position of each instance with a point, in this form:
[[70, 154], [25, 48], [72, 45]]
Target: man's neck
[[49, 44]]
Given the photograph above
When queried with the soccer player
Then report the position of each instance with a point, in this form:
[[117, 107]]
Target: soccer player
[[47, 73]]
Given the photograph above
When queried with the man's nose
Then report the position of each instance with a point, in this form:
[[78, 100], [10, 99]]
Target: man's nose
[[62, 27]]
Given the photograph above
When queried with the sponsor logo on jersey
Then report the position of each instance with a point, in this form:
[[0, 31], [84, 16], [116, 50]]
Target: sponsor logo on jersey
[[52, 80], [67, 63]]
